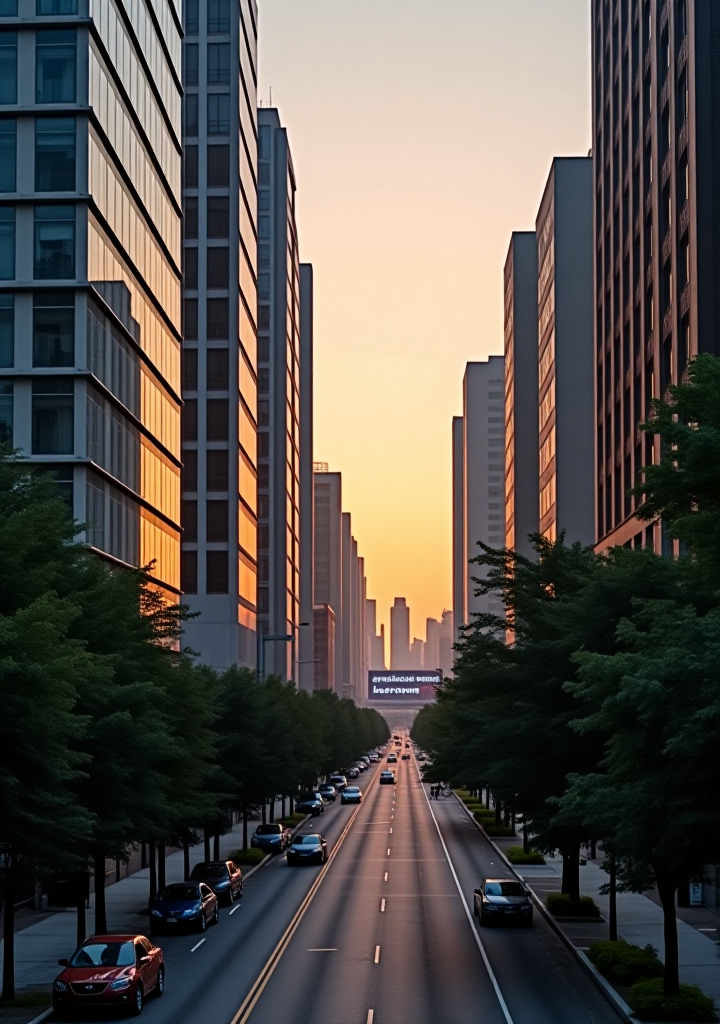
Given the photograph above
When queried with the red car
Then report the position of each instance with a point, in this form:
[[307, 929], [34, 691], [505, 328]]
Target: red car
[[110, 971]]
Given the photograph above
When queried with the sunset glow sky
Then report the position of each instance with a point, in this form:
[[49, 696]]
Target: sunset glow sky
[[422, 135]]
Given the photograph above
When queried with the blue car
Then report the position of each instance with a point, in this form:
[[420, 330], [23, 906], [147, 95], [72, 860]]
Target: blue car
[[271, 838], [183, 905]]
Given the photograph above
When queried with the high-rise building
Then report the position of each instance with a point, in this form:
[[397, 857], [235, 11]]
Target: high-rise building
[[220, 306], [458, 519], [656, 109], [447, 633], [565, 373], [416, 659], [323, 647], [431, 651], [521, 392], [350, 632], [399, 634], [378, 651], [90, 267], [375, 658], [279, 398], [482, 489], [307, 560], [327, 554]]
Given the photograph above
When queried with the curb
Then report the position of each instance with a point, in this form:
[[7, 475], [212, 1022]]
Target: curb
[[617, 1003], [42, 1016]]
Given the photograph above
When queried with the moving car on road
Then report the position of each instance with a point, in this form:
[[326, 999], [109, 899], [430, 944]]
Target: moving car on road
[[310, 803], [406, 757], [387, 779], [311, 849], [351, 795], [109, 971], [339, 781], [183, 904], [223, 876], [392, 759], [328, 792], [271, 837], [502, 901]]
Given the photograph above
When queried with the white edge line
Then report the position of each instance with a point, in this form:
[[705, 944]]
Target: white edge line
[[478, 940], [370, 1017], [198, 945], [236, 907], [41, 1016]]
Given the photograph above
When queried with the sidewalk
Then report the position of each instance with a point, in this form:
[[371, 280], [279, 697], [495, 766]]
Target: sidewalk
[[39, 946]]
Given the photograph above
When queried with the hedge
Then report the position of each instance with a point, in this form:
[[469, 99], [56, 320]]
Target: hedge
[[291, 820], [516, 855], [493, 829], [248, 856], [561, 905], [623, 963], [649, 1002]]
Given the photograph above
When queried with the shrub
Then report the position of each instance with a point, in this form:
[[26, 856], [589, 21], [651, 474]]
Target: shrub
[[516, 855], [291, 820], [649, 1002], [623, 963], [248, 856], [561, 905], [493, 829], [464, 794]]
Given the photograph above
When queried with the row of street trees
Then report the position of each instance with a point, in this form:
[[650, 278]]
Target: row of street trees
[[112, 736], [600, 718]]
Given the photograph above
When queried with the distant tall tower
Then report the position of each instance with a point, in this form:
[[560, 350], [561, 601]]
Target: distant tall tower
[[431, 651], [447, 655], [399, 634]]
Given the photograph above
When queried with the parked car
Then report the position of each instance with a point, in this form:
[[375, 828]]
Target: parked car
[[223, 876], [374, 757], [339, 781], [271, 837], [328, 792], [502, 901], [310, 803], [308, 849], [392, 759], [351, 795], [387, 778], [352, 773], [183, 904], [109, 972]]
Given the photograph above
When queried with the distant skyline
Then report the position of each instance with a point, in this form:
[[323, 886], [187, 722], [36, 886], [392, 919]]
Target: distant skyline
[[422, 135]]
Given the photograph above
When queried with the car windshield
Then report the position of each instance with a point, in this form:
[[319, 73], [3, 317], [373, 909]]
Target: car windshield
[[268, 830], [104, 954], [307, 840], [179, 892], [352, 789], [504, 889]]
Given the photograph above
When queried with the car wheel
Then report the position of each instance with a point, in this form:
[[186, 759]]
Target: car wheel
[[231, 897], [160, 986], [138, 1001]]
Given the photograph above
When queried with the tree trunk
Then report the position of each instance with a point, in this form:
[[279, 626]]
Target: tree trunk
[[161, 864], [8, 989], [245, 828], [271, 812], [667, 888], [498, 812], [216, 847], [526, 840], [593, 849], [101, 926], [186, 858], [143, 855], [264, 812], [152, 864], [612, 894], [80, 921], [571, 872], [206, 844]]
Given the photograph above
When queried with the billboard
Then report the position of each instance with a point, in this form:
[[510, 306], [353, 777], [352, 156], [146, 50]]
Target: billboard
[[404, 685]]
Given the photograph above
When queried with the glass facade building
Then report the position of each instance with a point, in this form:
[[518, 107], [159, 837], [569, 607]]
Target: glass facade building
[[219, 375], [90, 264]]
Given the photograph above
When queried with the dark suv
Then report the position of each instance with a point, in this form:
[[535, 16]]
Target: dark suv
[[223, 876]]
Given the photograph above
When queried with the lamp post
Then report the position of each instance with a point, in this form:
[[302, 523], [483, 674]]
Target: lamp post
[[276, 638]]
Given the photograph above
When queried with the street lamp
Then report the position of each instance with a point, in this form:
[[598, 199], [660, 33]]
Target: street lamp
[[276, 638]]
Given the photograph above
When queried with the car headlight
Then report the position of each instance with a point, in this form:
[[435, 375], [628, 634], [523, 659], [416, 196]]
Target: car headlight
[[156, 913], [120, 984], [193, 910], [60, 986], [222, 885]]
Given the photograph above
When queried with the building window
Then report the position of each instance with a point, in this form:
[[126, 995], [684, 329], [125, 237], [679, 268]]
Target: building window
[[217, 369], [217, 419], [8, 8], [189, 369], [217, 470], [189, 470], [55, 67], [217, 267], [54, 242], [54, 329], [218, 63], [190, 167], [190, 318], [7, 243], [8, 67], [218, 166], [217, 521], [56, 7], [217, 572], [218, 114], [7, 329], [6, 412], [54, 154], [52, 416], [218, 16], [190, 64], [190, 221], [190, 113], [188, 420], [217, 318], [8, 155], [188, 572], [218, 216], [189, 520], [190, 265]]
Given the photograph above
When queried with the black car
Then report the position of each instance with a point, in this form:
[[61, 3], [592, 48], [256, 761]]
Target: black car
[[310, 803], [223, 876], [503, 901], [387, 779], [311, 849], [392, 759], [182, 905], [406, 757], [271, 837]]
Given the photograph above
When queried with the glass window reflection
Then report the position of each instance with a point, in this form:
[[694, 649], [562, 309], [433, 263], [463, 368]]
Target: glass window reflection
[[55, 67], [8, 67], [54, 154], [7, 243], [57, 6], [8, 155], [52, 416], [7, 329], [54, 242], [54, 329]]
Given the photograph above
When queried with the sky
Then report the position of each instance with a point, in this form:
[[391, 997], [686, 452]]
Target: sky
[[422, 134]]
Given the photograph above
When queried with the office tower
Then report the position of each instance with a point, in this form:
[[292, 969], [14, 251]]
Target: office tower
[[307, 566], [565, 373], [431, 651], [378, 656], [279, 398], [417, 653], [219, 559], [351, 681], [323, 635], [458, 519], [374, 642], [521, 391], [656, 106], [90, 269], [399, 634], [327, 550], [483, 465], [447, 655]]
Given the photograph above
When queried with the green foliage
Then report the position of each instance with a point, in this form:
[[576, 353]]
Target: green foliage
[[624, 964], [516, 855], [291, 820], [561, 905], [493, 829], [649, 1002], [248, 856]]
